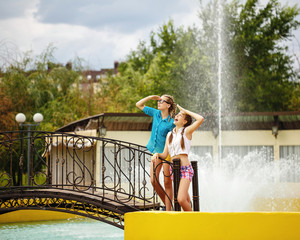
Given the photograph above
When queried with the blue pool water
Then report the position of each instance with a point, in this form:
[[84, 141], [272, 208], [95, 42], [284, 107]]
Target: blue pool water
[[65, 229]]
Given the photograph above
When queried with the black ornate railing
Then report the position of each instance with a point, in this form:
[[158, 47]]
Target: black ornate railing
[[90, 176]]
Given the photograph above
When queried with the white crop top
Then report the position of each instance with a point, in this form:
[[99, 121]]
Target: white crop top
[[175, 146]]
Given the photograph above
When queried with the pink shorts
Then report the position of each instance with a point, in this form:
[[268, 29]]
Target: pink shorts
[[186, 172]]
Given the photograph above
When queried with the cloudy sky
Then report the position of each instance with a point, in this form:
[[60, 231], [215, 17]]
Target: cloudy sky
[[99, 31]]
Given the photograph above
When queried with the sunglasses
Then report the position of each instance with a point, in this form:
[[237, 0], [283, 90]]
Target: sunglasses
[[162, 101]]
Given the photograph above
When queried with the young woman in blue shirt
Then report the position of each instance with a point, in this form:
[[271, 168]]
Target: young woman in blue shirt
[[163, 122]]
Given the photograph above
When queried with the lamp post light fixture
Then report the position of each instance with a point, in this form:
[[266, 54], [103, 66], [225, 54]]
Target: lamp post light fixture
[[215, 131], [101, 127], [102, 130], [275, 126], [275, 130], [38, 117], [21, 118]]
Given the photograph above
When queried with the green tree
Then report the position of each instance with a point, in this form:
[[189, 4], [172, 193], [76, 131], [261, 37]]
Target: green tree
[[6, 112], [185, 62], [194, 72], [160, 76], [146, 71], [265, 78], [40, 85]]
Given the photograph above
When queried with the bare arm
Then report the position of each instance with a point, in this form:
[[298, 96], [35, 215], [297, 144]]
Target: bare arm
[[141, 104], [199, 120]]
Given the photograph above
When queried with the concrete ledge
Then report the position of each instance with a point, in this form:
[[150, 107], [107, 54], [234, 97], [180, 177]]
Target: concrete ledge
[[212, 226]]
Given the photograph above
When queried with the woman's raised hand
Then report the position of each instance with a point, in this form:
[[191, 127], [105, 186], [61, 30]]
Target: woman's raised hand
[[155, 97], [181, 108]]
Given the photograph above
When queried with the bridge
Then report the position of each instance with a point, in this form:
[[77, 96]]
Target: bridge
[[95, 177]]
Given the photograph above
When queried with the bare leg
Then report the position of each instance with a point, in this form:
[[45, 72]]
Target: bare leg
[[168, 187], [155, 181], [189, 199], [183, 195]]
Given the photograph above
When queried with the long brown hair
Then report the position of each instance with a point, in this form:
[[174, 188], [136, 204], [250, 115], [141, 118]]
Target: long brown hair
[[189, 121], [172, 108]]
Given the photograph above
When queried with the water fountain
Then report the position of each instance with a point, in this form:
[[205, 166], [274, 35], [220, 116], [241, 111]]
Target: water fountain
[[249, 183], [253, 182], [220, 68], [246, 197]]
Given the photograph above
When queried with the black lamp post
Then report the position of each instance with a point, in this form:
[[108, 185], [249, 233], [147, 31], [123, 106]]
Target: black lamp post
[[21, 118]]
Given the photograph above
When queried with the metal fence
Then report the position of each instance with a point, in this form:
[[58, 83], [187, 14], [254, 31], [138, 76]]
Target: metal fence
[[116, 172]]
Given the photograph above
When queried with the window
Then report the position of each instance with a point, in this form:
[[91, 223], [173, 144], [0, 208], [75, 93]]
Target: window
[[265, 152], [289, 163], [290, 151], [202, 154], [250, 162]]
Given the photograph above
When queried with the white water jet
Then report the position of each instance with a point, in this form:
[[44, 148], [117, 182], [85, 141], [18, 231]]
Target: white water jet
[[249, 183], [232, 183], [220, 59]]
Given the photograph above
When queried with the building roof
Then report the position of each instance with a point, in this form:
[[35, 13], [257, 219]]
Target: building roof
[[233, 121], [112, 122], [95, 74]]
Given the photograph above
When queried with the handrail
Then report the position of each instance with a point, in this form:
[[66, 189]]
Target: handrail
[[115, 170]]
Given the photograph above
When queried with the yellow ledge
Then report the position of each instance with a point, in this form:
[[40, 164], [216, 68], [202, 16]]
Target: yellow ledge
[[212, 226], [35, 215]]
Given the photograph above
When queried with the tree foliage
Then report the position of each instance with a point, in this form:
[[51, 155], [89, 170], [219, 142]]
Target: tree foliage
[[6, 111], [257, 70], [39, 85], [146, 71], [266, 80]]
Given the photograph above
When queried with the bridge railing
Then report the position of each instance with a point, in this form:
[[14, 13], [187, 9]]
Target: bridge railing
[[116, 170]]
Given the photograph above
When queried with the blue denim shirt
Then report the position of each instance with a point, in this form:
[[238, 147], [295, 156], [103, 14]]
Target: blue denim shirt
[[160, 129]]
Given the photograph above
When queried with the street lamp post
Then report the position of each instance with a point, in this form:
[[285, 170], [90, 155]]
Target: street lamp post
[[21, 118]]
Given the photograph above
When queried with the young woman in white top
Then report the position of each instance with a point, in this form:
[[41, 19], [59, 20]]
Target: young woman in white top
[[178, 143]]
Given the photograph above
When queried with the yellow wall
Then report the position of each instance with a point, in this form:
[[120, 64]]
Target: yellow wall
[[34, 215], [212, 226], [229, 138]]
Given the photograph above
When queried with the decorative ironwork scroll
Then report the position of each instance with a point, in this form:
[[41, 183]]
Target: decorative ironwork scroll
[[114, 172]]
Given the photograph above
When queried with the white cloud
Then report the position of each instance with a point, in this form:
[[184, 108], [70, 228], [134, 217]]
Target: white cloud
[[100, 46], [98, 33], [122, 16]]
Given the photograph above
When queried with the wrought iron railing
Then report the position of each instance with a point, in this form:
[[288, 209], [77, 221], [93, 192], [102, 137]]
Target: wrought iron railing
[[107, 170], [69, 161]]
